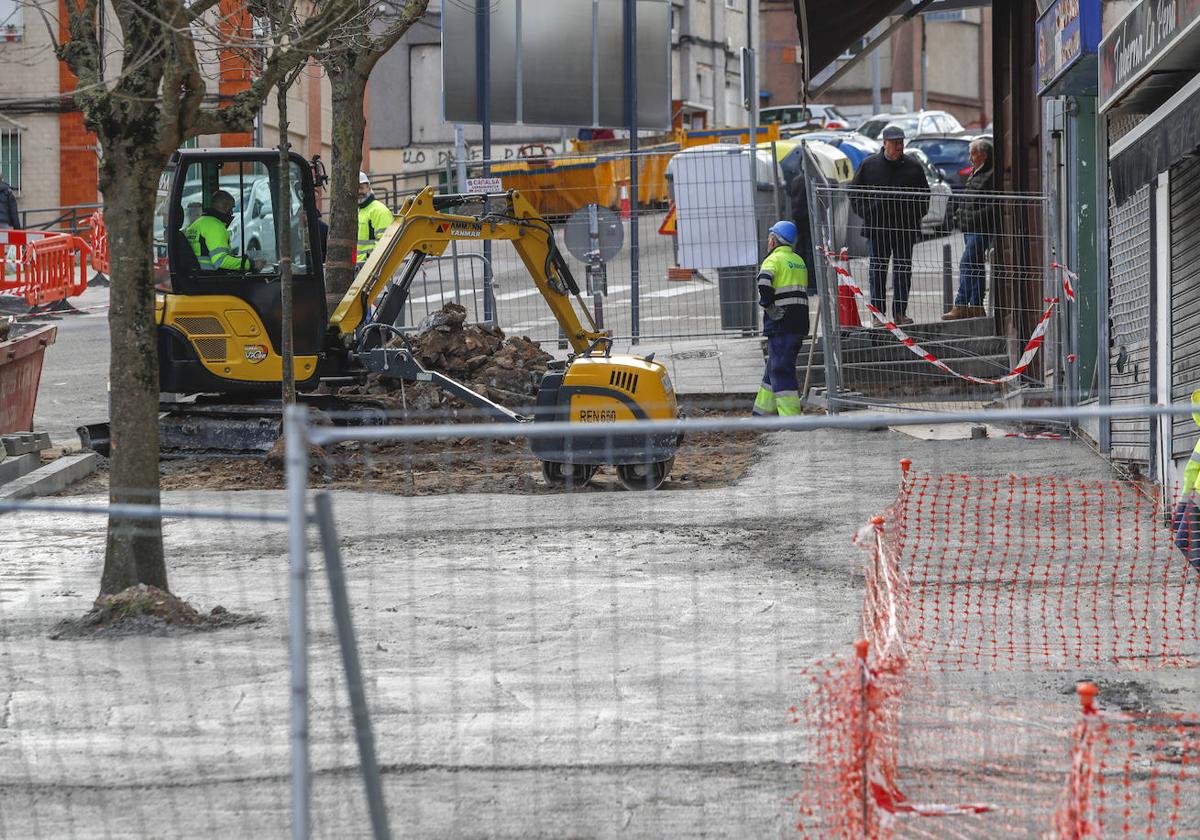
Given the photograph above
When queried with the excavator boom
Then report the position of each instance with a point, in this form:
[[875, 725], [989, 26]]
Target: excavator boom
[[424, 227]]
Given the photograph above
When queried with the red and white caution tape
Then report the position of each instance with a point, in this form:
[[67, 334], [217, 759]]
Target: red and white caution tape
[[1068, 277], [1031, 347]]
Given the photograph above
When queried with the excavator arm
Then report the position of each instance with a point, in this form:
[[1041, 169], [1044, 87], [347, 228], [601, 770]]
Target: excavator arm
[[426, 224]]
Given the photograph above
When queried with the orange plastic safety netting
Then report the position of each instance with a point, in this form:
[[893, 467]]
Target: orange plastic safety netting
[[986, 600], [1132, 774], [1016, 572]]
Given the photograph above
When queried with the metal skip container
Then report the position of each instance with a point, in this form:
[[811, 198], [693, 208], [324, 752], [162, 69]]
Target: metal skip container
[[21, 356]]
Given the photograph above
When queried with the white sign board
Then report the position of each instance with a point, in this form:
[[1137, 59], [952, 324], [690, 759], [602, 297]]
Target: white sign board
[[484, 185], [557, 62], [715, 204]]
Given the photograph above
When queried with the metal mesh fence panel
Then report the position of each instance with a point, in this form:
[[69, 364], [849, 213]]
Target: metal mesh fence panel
[[701, 226], [940, 297], [541, 659], [146, 714]]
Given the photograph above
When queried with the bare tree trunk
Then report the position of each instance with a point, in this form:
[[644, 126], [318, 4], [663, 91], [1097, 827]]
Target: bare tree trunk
[[283, 241], [134, 550], [349, 89]]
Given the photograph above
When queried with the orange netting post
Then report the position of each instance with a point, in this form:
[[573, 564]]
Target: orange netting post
[[1071, 819], [861, 648]]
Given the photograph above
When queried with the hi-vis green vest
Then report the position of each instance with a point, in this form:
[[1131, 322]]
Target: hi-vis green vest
[[210, 243], [784, 273], [1191, 473], [373, 220]]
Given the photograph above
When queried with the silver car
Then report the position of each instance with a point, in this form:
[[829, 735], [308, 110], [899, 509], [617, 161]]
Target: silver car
[[912, 124], [935, 222]]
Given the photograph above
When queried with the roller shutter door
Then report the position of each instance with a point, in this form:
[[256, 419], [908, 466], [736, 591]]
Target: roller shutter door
[[1185, 298], [1129, 321]]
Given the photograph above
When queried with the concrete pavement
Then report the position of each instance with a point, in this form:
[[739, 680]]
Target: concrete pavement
[[585, 665]]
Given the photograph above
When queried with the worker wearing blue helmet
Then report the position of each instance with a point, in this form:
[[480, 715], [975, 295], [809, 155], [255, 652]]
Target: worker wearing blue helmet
[[783, 295]]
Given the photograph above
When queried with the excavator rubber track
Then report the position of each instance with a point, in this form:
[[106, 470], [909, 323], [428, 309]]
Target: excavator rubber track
[[210, 428]]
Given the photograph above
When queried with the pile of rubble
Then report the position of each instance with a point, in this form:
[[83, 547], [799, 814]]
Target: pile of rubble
[[505, 370]]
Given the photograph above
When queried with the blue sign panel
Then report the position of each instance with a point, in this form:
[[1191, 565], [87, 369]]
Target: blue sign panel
[[1068, 34]]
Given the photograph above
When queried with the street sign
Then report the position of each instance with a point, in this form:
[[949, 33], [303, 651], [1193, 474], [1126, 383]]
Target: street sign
[[600, 235], [484, 185]]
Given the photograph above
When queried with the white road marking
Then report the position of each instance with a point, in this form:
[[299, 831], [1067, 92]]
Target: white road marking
[[684, 290]]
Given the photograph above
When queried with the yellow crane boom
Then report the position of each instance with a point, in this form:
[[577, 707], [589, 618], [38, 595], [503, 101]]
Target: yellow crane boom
[[422, 229]]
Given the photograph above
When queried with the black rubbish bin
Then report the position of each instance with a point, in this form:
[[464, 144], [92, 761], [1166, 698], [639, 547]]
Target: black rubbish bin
[[739, 298]]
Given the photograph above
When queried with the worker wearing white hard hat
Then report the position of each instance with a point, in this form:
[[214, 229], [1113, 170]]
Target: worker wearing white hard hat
[[373, 219]]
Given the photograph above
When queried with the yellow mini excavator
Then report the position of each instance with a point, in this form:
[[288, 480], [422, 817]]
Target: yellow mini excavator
[[220, 325]]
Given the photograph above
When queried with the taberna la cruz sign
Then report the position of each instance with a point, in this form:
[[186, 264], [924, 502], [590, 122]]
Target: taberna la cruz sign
[[1068, 33], [1137, 43]]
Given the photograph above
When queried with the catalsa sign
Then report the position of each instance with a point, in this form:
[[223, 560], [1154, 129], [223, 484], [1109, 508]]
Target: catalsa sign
[[1141, 37]]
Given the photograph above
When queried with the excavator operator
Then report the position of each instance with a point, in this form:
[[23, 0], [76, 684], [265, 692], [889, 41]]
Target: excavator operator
[[209, 237]]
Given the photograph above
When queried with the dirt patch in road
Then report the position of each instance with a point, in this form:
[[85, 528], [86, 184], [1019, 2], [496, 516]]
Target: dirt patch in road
[[146, 611], [458, 465]]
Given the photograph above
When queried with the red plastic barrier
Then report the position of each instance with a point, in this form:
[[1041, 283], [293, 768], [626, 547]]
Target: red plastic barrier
[[98, 237], [42, 266]]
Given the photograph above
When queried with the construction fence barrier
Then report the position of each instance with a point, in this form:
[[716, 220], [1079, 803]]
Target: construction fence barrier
[[98, 242], [969, 277], [643, 278], [975, 587], [397, 623], [42, 267]]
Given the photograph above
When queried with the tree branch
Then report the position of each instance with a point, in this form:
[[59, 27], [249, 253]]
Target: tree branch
[[238, 115]]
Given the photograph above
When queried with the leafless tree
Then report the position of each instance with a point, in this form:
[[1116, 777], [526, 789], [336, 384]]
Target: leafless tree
[[349, 60], [140, 115]]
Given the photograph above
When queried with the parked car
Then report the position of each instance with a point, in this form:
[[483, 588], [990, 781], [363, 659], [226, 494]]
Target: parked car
[[921, 123], [804, 117], [937, 219], [872, 126], [252, 231], [949, 155]]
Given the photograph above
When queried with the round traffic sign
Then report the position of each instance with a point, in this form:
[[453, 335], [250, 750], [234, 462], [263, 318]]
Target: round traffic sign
[[594, 228]]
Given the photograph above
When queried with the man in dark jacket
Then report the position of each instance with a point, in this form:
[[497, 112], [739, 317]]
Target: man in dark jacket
[[891, 194], [9, 218], [977, 216], [798, 197]]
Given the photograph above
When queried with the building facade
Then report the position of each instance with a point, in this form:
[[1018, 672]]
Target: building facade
[[407, 131], [52, 160], [955, 75]]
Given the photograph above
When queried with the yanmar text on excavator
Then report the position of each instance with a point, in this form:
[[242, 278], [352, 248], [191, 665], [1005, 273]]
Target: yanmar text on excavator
[[220, 325]]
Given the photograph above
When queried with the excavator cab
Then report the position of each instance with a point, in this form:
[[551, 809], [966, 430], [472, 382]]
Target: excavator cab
[[220, 325]]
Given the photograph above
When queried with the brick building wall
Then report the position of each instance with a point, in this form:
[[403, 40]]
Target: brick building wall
[[60, 159]]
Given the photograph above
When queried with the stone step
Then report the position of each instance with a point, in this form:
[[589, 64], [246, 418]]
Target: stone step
[[925, 331], [918, 377], [22, 443], [894, 351]]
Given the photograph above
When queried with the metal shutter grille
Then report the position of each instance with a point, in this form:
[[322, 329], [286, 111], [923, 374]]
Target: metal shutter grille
[[1129, 317], [1121, 124], [1185, 298]]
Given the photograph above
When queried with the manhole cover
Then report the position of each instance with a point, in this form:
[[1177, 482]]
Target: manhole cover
[[687, 355]]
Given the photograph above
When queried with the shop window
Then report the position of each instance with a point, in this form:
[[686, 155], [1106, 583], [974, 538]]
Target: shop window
[[10, 154], [12, 21]]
